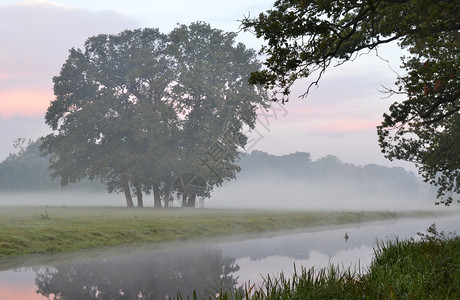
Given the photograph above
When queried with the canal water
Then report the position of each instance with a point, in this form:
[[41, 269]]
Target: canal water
[[158, 272]]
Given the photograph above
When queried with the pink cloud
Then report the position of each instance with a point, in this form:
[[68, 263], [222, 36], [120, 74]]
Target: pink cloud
[[343, 125], [38, 38], [322, 115], [4, 75], [30, 103]]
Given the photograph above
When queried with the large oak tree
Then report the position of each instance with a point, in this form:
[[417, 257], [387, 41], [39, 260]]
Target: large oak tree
[[305, 37], [138, 109]]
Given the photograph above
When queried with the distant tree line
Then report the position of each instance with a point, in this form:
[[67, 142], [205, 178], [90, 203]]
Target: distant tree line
[[27, 171], [329, 171]]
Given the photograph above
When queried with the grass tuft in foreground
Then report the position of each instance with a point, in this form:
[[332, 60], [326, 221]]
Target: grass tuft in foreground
[[326, 283], [424, 269]]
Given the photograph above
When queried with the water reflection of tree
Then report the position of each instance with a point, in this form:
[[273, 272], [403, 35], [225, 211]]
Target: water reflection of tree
[[143, 276]]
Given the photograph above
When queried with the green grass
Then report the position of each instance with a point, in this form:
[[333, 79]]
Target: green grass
[[30, 230], [425, 269]]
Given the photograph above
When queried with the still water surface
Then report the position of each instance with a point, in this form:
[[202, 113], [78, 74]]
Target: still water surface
[[154, 273]]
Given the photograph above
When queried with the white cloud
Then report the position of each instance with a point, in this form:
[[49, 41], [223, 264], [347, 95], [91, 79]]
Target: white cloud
[[37, 36]]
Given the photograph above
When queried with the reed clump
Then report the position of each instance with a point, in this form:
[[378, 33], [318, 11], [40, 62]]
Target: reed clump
[[428, 268]]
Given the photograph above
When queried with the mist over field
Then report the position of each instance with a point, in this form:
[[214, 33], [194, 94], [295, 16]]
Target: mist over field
[[261, 193], [61, 198], [296, 182], [277, 192], [266, 181]]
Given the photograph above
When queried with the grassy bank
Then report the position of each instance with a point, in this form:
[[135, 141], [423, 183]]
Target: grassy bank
[[424, 269], [27, 230]]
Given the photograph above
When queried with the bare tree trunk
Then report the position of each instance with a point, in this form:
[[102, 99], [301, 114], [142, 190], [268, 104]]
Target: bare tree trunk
[[129, 199], [184, 199], [191, 200], [140, 201], [156, 196], [167, 196]]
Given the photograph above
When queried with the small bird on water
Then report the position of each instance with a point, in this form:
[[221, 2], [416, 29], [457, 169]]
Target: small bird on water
[[346, 237]]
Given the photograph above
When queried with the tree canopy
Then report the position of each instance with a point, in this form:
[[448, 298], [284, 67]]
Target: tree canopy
[[138, 109], [304, 38]]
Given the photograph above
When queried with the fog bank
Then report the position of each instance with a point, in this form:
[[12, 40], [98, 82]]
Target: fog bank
[[292, 194]]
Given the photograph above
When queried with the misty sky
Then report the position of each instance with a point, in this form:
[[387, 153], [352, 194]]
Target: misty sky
[[338, 118]]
